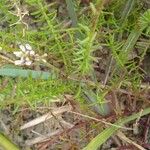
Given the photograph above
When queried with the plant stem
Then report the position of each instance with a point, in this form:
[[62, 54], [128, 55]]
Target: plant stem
[[95, 18]]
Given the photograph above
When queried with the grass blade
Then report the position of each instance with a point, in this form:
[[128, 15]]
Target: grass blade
[[72, 13], [127, 9], [131, 41], [6, 143], [108, 132], [103, 108]]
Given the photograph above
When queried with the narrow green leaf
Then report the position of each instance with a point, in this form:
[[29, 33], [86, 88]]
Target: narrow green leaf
[[108, 132], [103, 108], [72, 13], [73, 16], [127, 9], [129, 46], [131, 41], [24, 73], [6, 143]]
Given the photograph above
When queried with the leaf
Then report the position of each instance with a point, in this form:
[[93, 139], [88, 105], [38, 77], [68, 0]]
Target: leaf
[[129, 45], [127, 10], [73, 16], [72, 13], [108, 132], [6, 143], [25, 73], [103, 108], [145, 21]]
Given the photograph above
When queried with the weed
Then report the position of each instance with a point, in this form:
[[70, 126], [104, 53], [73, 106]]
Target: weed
[[97, 32]]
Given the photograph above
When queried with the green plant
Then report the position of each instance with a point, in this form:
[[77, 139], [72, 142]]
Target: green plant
[[98, 31], [103, 136], [6, 143]]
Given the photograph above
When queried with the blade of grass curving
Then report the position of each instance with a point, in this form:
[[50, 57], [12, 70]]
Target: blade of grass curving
[[126, 11], [132, 39], [129, 45], [103, 108], [73, 16], [25, 73], [6, 143], [72, 13], [108, 132], [129, 5]]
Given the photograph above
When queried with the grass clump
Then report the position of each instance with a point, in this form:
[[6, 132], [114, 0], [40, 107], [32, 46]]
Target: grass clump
[[94, 51]]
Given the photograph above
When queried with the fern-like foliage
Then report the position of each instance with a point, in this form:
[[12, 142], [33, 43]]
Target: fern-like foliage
[[84, 52], [145, 21], [122, 51], [116, 50]]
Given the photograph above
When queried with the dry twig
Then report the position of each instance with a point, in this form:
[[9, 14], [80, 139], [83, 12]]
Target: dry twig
[[126, 139], [45, 117]]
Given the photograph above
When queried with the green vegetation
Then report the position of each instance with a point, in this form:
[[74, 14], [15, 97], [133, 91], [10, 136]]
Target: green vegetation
[[110, 37], [5, 143]]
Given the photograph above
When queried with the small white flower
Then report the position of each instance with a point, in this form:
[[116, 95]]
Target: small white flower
[[32, 53], [18, 53], [28, 63], [27, 55], [19, 62], [22, 48], [28, 47], [27, 59]]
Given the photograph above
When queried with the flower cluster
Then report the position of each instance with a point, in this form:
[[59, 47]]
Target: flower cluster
[[27, 55]]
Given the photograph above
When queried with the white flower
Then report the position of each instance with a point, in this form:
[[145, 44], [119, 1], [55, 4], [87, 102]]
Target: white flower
[[19, 62], [32, 53], [18, 54], [27, 55], [28, 63], [22, 48], [28, 47], [24, 55]]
